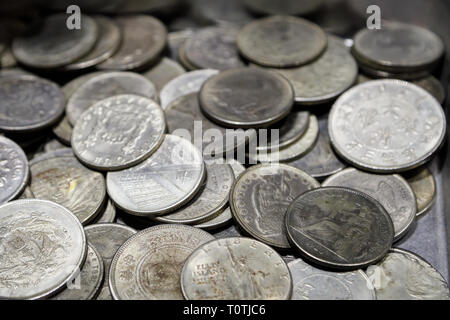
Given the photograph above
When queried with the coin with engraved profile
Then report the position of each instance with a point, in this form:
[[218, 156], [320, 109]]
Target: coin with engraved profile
[[287, 7], [148, 265], [163, 72], [423, 184]]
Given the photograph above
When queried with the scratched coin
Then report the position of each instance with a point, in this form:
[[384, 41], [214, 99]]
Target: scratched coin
[[423, 184], [108, 215], [281, 41], [90, 279], [260, 197], [164, 72], [235, 269], [402, 275], [386, 126], [118, 132], [246, 98], [148, 266], [65, 181], [339, 228], [287, 7], [50, 44], [310, 283], [43, 247], [162, 183], [392, 191], [105, 86], [107, 239], [14, 170]]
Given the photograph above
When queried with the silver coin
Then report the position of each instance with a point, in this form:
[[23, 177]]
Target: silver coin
[[14, 170], [69, 88], [310, 283], [229, 232], [219, 220], [143, 40], [118, 132], [53, 145], [287, 7], [148, 266], [88, 281], [246, 98], [183, 59], [104, 86], [424, 186], [63, 131], [27, 194], [402, 275], [175, 39], [65, 181], [43, 247], [260, 197], [162, 183], [164, 72], [51, 44], [380, 74], [187, 83], [108, 215], [392, 191], [339, 228], [29, 103], [66, 152], [235, 269], [386, 126]]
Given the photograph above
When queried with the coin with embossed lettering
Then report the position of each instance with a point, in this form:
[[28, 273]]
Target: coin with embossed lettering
[[235, 269], [423, 184], [403, 275], [386, 126], [14, 170], [163, 72], [118, 132], [163, 183], [148, 266], [392, 191], [43, 247], [288, 7], [339, 228], [260, 197], [310, 283]]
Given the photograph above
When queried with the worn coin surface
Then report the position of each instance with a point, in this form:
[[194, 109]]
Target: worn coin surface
[[281, 41], [118, 132], [164, 72], [392, 191], [235, 269], [162, 183], [423, 184], [310, 283], [43, 247], [386, 126], [246, 98], [108, 215], [149, 264], [339, 228], [402, 275], [287, 7], [14, 170]]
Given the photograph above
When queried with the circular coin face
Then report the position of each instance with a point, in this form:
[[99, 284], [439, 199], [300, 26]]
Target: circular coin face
[[235, 269], [386, 126], [339, 228], [118, 132], [287, 7], [148, 266], [281, 41], [164, 72], [162, 183], [260, 197], [423, 184], [246, 98], [43, 247]]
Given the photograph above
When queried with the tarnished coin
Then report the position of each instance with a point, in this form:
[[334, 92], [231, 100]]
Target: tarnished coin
[[104, 86], [392, 191], [162, 183], [339, 228], [88, 281], [402, 275], [287, 7], [187, 83], [63, 131], [386, 126], [143, 40], [108, 215], [14, 170], [423, 184], [310, 283], [164, 72], [235, 269], [213, 48], [209, 200], [50, 44], [260, 197], [107, 239], [118, 132], [246, 98], [29, 103], [65, 181], [281, 41], [43, 247], [148, 266]]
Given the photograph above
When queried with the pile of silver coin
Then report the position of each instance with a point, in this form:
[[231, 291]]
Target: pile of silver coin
[[101, 197]]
